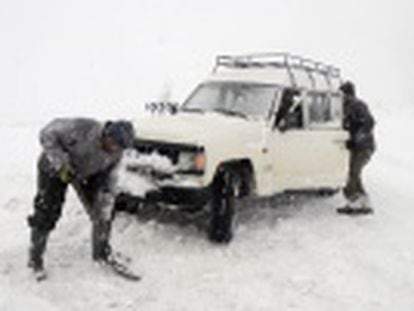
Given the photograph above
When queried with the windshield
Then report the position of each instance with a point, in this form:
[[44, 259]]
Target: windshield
[[237, 99]]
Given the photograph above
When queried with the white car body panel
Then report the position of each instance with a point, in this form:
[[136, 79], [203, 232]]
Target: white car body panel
[[224, 138], [295, 159], [308, 159]]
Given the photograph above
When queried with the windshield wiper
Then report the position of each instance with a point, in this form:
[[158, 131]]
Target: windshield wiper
[[230, 112]]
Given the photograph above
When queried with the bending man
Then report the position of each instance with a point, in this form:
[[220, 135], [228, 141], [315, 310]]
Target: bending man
[[83, 153]]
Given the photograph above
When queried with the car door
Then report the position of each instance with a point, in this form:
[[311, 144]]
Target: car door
[[288, 143], [307, 148], [326, 136]]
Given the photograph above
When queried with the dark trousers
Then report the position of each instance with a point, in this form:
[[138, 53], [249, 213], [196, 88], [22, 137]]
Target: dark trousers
[[94, 192], [354, 187]]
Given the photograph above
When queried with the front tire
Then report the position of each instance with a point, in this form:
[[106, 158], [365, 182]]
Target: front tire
[[222, 208]]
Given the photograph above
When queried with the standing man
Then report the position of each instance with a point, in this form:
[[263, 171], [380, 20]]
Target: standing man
[[83, 153], [359, 122]]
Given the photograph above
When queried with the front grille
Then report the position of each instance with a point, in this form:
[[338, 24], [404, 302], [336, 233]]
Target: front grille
[[170, 150]]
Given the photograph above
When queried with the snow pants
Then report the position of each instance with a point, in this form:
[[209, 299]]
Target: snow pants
[[94, 193], [354, 188]]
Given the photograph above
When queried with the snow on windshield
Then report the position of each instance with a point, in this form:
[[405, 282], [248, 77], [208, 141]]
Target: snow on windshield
[[252, 100]]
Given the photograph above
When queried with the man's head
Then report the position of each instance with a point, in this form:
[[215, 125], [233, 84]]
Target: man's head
[[348, 89], [117, 135]]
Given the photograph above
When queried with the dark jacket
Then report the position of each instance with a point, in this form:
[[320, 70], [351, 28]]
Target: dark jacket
[[76, 142], [359, 122]]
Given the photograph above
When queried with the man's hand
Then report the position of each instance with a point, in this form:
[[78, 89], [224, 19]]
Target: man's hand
[[66, 173], [349, 144]]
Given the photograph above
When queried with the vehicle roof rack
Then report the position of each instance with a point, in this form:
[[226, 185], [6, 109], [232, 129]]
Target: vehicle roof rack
[[279, 60]]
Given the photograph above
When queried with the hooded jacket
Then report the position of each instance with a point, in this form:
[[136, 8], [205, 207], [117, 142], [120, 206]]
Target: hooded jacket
[[360, 124], [76, 142]]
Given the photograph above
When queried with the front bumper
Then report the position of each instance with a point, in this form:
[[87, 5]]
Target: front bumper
[[194, 197], [179, 196]]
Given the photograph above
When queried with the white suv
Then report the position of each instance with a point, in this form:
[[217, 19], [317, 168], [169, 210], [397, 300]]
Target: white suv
[[258, 125]]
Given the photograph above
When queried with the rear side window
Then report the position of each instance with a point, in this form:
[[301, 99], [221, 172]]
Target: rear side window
[[324, 110], [319, 108]]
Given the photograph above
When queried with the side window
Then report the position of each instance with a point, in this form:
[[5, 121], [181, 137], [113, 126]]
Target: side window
[[324, 110], [336, 107], [290, 112], [319, 108], [294, 118]]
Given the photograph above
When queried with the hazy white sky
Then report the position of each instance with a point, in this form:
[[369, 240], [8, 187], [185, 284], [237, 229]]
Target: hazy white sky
[[82, 57]]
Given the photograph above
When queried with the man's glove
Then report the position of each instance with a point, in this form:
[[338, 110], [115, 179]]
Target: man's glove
[[349, 144], [66, 173]]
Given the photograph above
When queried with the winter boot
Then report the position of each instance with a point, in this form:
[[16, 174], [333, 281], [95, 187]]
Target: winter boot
[[100, 250], [360, 206], [100, 241], [37, 248]]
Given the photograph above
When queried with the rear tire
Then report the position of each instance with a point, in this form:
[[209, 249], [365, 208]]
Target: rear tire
[[327, 192]]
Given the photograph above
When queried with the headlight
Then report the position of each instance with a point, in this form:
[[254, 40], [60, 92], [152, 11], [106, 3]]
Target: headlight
[[199, 161], [192, 162]]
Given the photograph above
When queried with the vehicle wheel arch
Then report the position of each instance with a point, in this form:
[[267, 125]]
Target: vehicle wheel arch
[[243, 168]]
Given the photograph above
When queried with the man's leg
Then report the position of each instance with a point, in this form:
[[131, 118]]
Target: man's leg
[[354, 191], [47, 210], [101, 231], [98, 202], [363, 158], [354, 188], [350, 190]]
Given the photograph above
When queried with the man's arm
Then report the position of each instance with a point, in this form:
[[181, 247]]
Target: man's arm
[[368, 122], [364, 125], [361, 119], [53, 148]]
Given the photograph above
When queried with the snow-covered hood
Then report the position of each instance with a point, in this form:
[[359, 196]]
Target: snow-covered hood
[[197, 128]]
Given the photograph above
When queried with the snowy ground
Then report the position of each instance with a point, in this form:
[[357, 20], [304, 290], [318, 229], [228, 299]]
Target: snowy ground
[[297, 256]]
